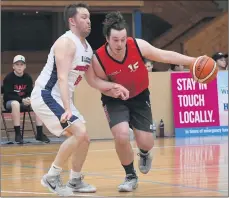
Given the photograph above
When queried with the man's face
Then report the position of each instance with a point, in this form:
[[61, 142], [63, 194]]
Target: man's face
[[117, 41], [82, 22], [222, 62], [149, 66], [19, 67]]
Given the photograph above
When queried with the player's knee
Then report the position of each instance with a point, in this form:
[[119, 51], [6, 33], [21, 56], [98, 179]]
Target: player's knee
[[79, 130], [122, 138], [15, 105], [84, 137], [121, 133], [145, 141]]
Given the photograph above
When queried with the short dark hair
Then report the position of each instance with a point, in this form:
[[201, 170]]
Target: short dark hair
[[71, 10], [113, 20]]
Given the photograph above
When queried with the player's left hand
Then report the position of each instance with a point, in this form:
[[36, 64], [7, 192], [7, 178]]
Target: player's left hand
[[66, 116]]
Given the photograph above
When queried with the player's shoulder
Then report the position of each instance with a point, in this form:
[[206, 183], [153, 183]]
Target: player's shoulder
[[132, 41], [100, 50], [64, 41], [142, 44], [129, 38], [140, 41], [89, 47]]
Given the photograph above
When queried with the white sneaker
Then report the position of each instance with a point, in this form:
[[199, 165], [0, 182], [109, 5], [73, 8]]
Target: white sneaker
[[130, 183], [54, 184], [77, 185]]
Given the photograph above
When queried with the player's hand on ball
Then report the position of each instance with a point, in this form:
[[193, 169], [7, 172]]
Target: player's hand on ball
[[66, 116]]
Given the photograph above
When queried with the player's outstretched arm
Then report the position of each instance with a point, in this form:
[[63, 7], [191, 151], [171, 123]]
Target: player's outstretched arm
[[155, 54], [64, 51]]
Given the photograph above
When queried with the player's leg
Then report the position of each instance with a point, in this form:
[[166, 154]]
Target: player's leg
[[118, 117], [141, 119], [14, 107], [76, 145], [145, 143], [78, 129], [41, 107], [52, 180]]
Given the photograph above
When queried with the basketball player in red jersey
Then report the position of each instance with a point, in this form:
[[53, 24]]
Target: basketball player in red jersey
[[120, 60]]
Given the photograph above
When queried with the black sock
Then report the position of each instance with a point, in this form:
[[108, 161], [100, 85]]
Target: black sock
[[17, 130], [129, 169], [143, 151], [39, 131]]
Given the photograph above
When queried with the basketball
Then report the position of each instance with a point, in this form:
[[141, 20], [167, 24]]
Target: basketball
[[204, 69]]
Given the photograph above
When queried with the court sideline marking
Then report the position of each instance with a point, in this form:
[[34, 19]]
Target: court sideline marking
[[41, 193], [104, 150]]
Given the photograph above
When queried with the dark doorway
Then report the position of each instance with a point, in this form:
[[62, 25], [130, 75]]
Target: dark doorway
[[96, 38], [153, 27], [26, 31]]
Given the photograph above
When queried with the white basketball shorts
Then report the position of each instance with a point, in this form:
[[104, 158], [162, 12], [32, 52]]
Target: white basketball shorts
[[49, 109]]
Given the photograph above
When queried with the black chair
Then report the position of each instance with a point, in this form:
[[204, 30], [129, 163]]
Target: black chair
[[7, 130]]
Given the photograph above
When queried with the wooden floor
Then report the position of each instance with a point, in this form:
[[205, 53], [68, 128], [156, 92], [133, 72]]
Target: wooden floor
[[183, 167]]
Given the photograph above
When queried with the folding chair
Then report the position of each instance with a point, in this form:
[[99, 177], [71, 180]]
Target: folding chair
[[7, 130]]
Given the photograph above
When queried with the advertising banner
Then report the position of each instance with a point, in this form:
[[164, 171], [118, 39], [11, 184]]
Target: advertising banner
[[222, 84], [196, 106]]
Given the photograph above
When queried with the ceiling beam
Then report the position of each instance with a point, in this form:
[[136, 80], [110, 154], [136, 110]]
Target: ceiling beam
[[64, 3]]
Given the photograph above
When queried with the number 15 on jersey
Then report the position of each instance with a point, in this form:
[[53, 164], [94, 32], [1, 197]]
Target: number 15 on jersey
[[133, 67]]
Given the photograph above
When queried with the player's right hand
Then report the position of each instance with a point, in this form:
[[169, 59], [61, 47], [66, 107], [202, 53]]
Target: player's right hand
[[123, 92], [115, 93], [66, 116]]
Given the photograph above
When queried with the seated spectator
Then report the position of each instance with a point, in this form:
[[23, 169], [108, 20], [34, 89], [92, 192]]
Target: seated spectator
[[149, 65], [220, 60], [17, 87], [175, 68]]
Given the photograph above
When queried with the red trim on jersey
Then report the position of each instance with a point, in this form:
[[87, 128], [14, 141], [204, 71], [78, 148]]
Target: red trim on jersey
[[79, 78], [131, 72], [81, 68]]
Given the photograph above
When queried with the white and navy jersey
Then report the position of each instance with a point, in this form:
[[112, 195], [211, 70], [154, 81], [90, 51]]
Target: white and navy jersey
[[48, 78]]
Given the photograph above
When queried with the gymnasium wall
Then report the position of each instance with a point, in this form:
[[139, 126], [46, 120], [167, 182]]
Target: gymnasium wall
[[211, 39], [88, 102]]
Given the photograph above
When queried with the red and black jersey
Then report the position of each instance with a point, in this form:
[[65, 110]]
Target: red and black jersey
[[130, 72]]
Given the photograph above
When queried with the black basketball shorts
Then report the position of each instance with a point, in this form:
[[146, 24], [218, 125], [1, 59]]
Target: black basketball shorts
[[136, 111]]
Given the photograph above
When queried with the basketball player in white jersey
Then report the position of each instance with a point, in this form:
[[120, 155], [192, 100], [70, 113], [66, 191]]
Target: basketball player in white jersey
[[68, 60]]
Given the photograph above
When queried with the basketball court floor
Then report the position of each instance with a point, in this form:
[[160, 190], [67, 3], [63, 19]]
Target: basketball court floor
[[181, 167]]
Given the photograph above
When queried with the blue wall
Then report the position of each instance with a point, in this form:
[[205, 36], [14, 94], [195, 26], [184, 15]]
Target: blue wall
[[138, 24]]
